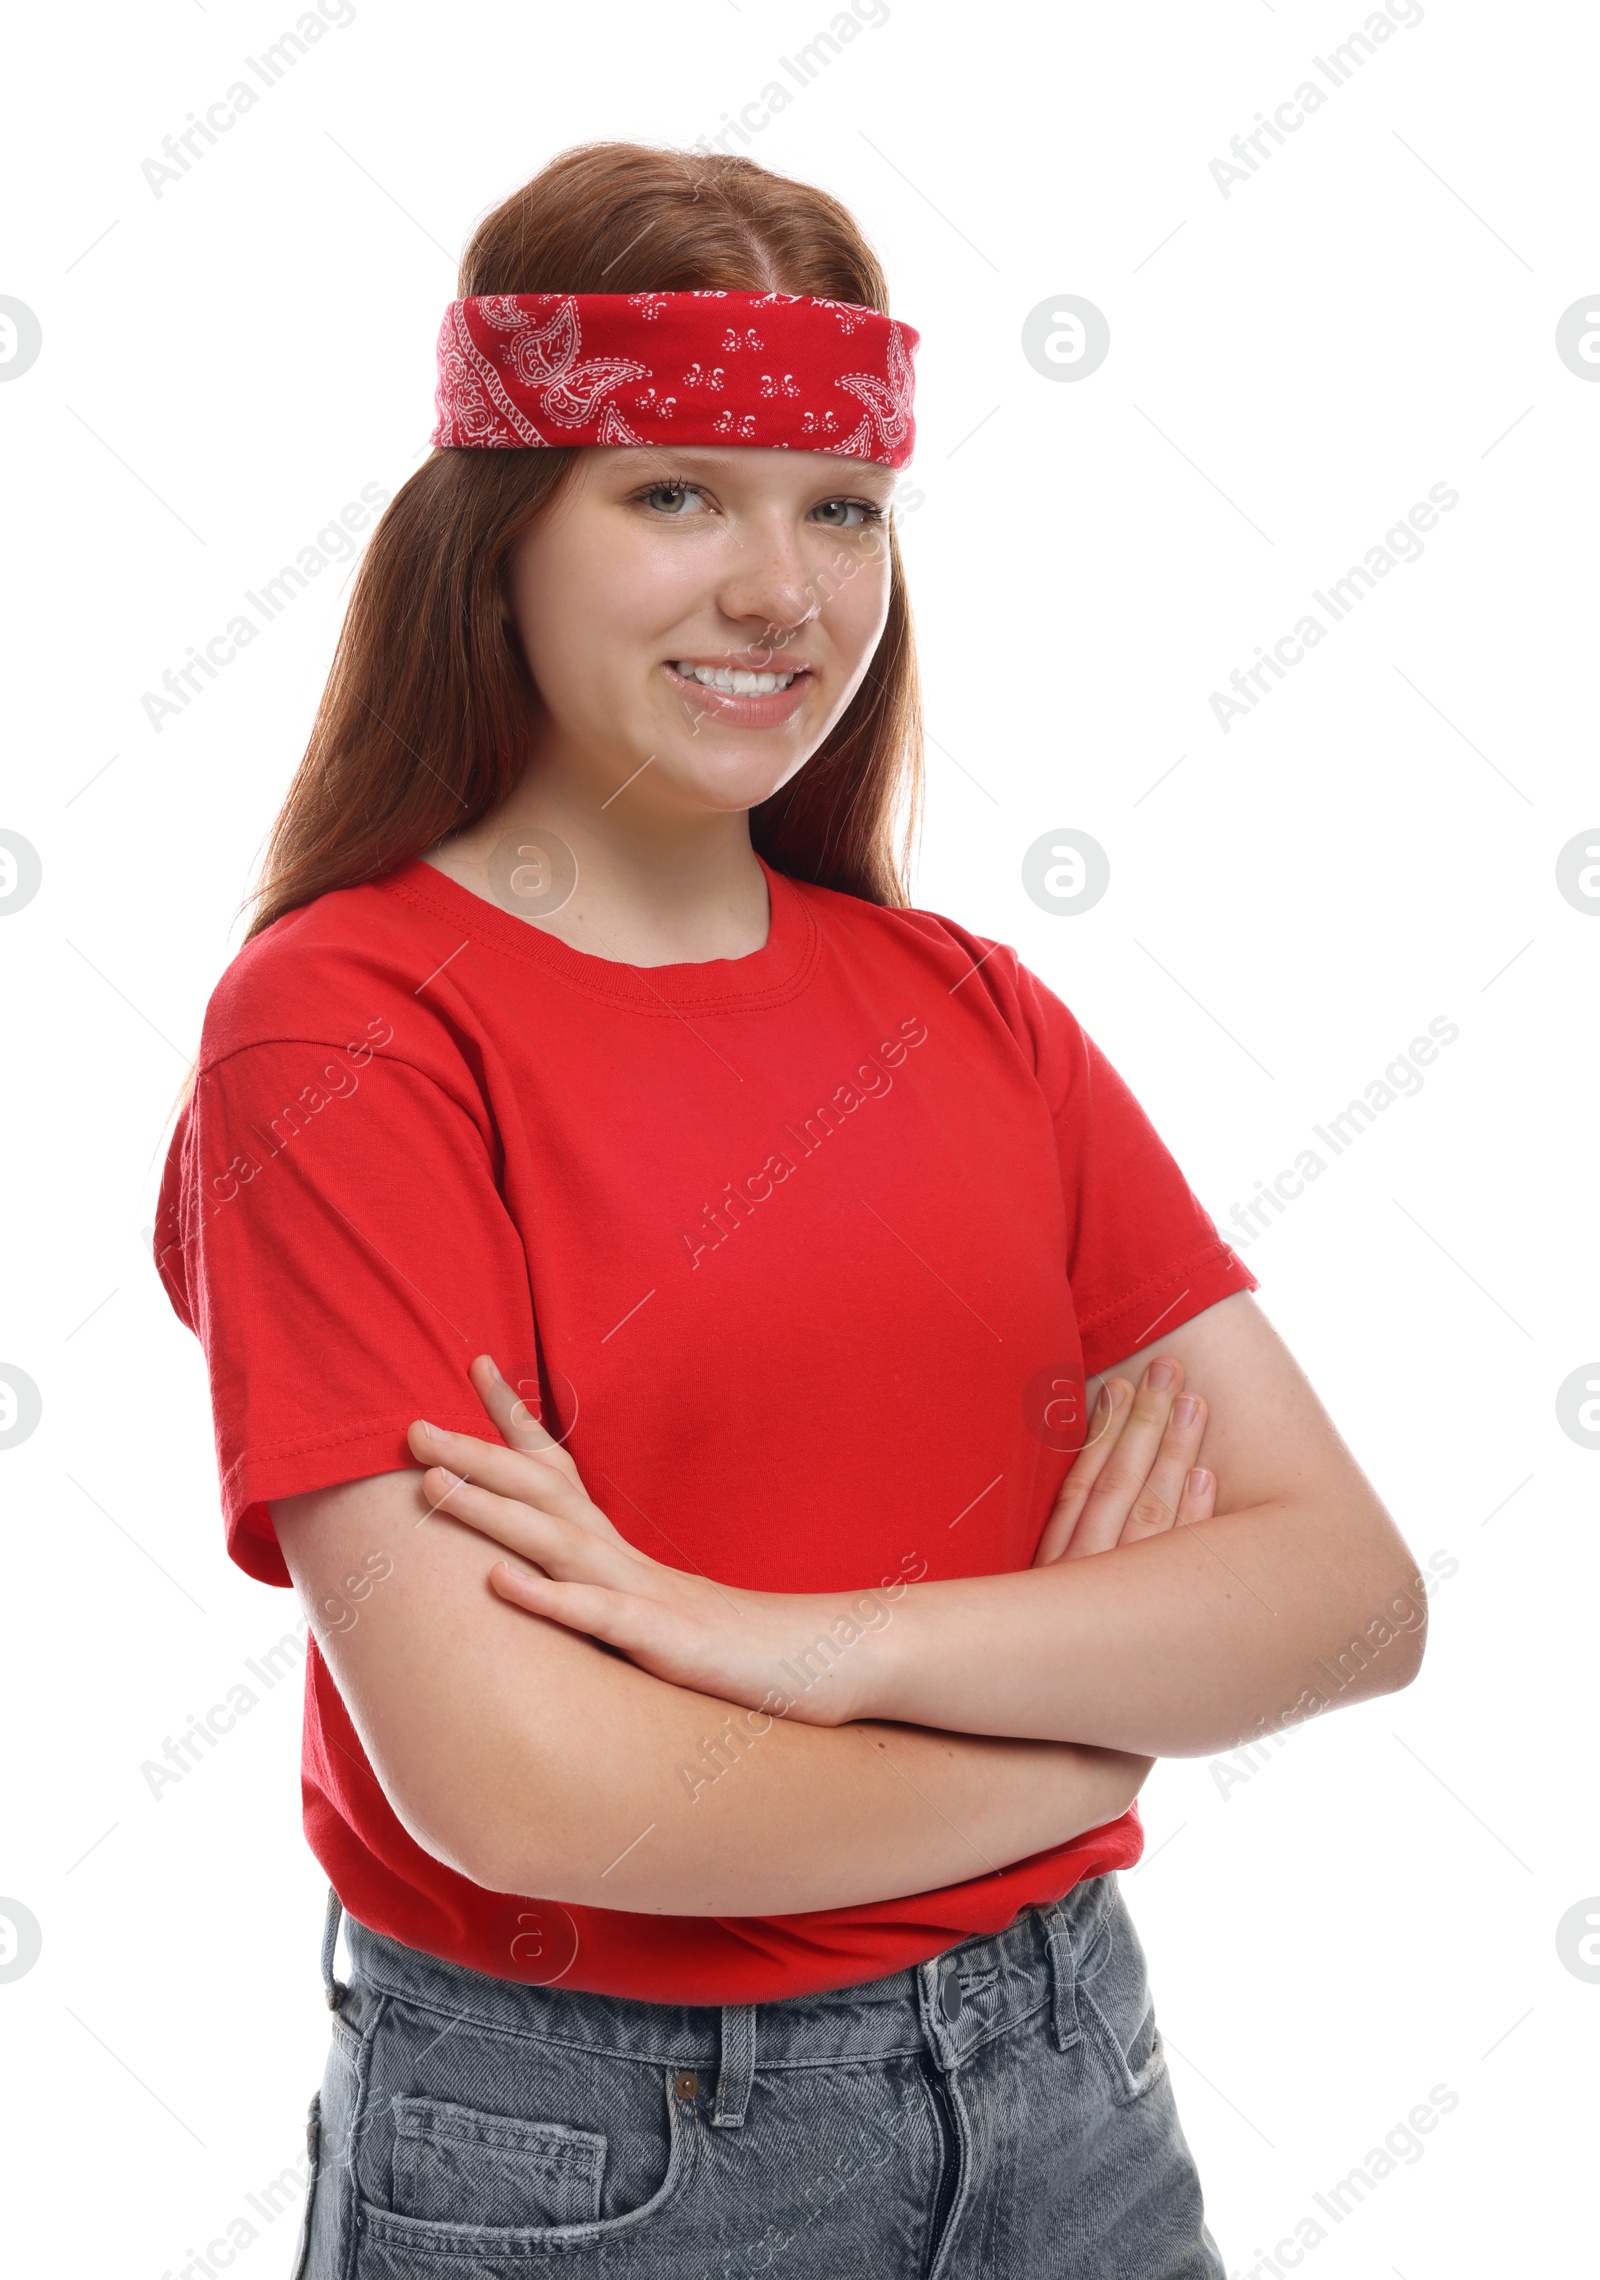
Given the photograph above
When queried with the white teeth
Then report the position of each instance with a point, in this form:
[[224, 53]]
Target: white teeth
[[733, 679]]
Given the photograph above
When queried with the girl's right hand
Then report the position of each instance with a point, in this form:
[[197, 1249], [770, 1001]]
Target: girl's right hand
[[1136, 1475]]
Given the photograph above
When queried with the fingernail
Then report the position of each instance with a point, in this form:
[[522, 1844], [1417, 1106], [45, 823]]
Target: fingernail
[[451, 1479], [1160, 1374], [432, 1431], [1186, 1408], [1198, 1480]]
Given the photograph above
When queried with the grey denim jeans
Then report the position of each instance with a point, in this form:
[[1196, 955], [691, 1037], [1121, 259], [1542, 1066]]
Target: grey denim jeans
[[1001, 2112]]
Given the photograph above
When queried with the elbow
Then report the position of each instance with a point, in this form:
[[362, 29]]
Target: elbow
[[1403, 1660], [507, 1802], [434, 1823], [1383, 1651], [1416, 1639], [503, 1848], [495, 1855], [507, 1858], [1404, 1617], [473, 1825], [1415, 1647]]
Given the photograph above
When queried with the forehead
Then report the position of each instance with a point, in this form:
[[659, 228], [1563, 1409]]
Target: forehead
[[745, 464]]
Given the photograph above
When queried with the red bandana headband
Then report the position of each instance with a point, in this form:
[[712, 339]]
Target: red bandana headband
[[783, 370]]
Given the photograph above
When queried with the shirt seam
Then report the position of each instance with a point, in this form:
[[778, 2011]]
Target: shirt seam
[[1219, 1249], [379, 1053], [365, 1430], [753, 1001]]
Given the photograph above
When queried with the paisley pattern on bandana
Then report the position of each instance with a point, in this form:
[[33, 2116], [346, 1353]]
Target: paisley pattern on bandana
[[786, 371]]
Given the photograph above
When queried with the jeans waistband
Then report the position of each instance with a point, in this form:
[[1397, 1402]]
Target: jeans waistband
[[947, 2006]]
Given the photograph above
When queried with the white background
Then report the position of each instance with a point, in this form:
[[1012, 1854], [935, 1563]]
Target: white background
[[1373, 1912]]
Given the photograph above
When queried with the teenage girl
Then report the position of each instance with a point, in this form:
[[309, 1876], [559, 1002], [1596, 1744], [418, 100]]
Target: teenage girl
[[708, 1342]]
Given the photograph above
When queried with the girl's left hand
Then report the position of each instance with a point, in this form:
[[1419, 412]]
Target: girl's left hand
[[757, 1648], [1136, 1475]]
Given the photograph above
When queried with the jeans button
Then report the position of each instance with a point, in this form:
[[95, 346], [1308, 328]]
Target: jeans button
[[950, 1997]]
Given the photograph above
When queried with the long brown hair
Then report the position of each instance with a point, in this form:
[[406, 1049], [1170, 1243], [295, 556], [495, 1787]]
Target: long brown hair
[[423, 725]]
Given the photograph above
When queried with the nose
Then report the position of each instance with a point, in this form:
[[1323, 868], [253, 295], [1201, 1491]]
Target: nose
[[768, 580]]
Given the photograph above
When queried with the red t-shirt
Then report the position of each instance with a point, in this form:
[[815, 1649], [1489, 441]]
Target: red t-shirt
[[803, 1254]]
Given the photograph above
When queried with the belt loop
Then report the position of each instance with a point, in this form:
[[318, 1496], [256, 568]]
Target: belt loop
[[1064, 2005], [334, 1989], [737, 2070]]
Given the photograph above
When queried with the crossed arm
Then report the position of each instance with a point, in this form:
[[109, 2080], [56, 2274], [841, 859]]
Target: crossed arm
[[871, 1744]]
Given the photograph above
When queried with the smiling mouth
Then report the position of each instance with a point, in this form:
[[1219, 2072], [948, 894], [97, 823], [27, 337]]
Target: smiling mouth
[[734, 680]]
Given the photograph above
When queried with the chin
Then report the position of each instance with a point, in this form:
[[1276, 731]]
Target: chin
[[740, 782]]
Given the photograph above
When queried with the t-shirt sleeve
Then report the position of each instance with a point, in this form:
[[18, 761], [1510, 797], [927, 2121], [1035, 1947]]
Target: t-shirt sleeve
[[1143, 1253], [336, 1237]]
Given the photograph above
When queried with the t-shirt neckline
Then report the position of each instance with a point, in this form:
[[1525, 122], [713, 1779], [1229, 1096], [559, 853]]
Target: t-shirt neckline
[[778, 970]]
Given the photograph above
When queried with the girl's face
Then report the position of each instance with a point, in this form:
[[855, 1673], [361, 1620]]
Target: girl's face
[[696, 621]]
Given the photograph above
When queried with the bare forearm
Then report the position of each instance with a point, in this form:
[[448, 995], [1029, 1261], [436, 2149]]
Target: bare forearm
[[530, 1760], [1152, 1622], [1291, 1591], [1178, 1646], [688, 1807]]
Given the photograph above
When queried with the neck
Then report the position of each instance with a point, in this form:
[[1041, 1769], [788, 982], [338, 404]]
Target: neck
[[652, 889]]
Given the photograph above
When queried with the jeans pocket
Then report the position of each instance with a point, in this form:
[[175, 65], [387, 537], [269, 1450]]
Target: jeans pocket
[[1116, 2006], [599, 2152], [450, 2162]]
